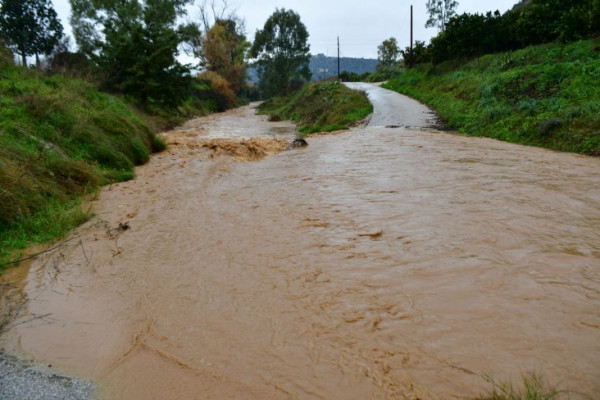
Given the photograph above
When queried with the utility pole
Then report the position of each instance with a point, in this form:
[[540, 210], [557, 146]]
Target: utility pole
[[411, 37], [339, 79]]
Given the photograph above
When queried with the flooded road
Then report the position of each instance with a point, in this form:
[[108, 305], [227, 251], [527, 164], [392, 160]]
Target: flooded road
[[373, 264]]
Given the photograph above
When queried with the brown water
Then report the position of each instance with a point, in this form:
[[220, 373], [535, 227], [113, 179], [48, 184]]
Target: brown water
[[378, 263]]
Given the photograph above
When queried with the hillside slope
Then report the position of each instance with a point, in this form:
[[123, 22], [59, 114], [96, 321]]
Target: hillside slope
[[546, 95], [60, 138]]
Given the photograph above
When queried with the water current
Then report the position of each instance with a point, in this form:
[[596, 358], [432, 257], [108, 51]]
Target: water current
[[373, 264]]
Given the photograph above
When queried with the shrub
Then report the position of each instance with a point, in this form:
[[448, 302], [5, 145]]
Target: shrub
[[223, 93]]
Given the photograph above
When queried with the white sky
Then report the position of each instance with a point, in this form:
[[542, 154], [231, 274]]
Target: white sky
[[360, 24]]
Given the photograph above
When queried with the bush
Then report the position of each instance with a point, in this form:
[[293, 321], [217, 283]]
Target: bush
[[530, 23], [6, 56], [222, 91]]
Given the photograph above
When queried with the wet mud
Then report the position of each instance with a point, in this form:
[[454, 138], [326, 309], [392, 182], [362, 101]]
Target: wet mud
[[372, 264]]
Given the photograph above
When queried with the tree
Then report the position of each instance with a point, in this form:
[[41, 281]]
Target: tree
[[420, 54], [211, 11], [282, 52], [224, 52], [30, 27], [440, 12], [135, 45], [387, 53]]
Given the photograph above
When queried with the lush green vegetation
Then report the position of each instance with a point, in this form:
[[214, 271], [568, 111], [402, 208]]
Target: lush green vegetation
[[320, 107], [547, 95], [60, 138], [530, 22], [282, 52], [30, 27]]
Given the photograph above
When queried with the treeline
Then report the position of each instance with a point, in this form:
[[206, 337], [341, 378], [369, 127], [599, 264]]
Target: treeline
[[133, 48], [530, 22]]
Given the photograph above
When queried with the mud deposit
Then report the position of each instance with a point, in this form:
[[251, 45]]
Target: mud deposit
[[373, 264]]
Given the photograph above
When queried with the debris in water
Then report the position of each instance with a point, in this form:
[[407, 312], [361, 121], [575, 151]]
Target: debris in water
[[373, 235], [114, 232], [298, 143]]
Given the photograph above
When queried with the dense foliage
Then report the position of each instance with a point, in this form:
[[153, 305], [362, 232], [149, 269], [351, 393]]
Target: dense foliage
[[546, 95], [224, 49], [530, 22], [282, 52], [135, 44], [30, 27]]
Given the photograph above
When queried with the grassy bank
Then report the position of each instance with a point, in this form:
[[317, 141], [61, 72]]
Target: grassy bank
[[546, 95], [320, 107], [60, 138]]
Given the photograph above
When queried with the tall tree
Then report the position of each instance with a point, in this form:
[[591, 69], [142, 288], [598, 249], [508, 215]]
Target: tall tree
[[440, 12], [135, 44], [282, 51], [30, 27], [387, 53], [209, 12], [224, 52]]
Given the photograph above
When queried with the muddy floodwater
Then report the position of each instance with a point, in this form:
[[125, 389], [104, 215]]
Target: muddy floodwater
[[372, 264]]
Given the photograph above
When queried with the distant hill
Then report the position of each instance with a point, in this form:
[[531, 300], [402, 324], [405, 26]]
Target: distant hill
[[323, 67]]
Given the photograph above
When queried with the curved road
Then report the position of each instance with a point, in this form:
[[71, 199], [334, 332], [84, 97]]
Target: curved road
[[392, 109], [373, 264]]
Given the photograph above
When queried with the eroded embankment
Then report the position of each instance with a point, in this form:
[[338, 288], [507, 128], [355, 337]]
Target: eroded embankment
[[381, 263]]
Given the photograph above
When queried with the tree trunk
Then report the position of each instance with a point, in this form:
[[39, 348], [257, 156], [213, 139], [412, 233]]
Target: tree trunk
[[23, 55]]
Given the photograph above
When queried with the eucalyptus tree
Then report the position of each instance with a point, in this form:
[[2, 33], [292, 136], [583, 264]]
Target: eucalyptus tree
[[387, 53], [440, 12], [282, 52]]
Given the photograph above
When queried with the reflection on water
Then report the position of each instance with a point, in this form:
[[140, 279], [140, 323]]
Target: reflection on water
[[380, 263]]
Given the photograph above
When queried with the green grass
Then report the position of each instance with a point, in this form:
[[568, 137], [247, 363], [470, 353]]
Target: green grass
[[320, 107], [60, 138], [547, 96], [533, 388]]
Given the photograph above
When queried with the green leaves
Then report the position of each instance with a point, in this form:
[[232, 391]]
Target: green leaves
[[440, 12], [135, 44], [30, 27], [387, 53], [282, 51]]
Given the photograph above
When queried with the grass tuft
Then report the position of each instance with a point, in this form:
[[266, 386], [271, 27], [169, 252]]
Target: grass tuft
[[533, 388]]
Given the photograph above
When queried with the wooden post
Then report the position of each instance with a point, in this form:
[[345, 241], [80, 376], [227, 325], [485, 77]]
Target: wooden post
[[338, 40], [411, 38]]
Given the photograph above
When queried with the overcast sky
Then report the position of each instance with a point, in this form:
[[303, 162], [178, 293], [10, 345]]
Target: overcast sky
[[360, 24]]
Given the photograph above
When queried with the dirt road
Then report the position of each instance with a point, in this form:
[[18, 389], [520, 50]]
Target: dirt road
[[378, 263]]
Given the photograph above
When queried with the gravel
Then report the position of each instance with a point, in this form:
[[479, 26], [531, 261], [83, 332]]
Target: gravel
[[27, 381]]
